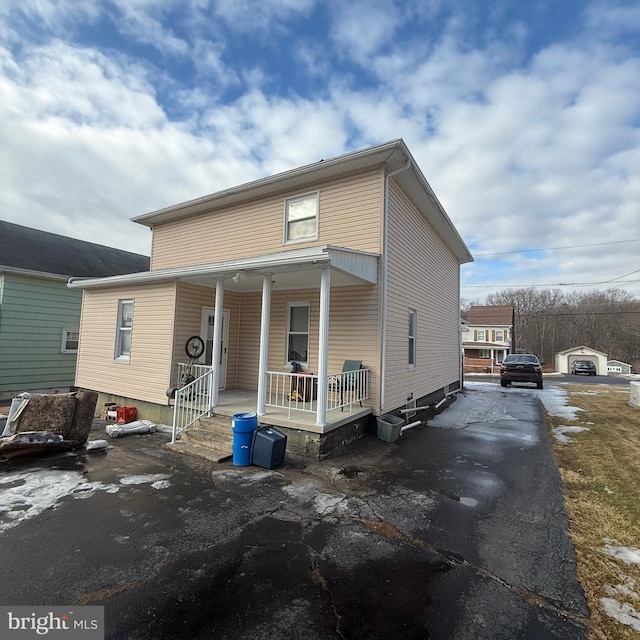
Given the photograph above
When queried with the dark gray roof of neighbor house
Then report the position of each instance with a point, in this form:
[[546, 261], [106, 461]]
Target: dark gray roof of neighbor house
[[40, 251], [490, 315]]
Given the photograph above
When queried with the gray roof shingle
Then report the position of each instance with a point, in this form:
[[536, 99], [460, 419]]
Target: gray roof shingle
[[34, 250]]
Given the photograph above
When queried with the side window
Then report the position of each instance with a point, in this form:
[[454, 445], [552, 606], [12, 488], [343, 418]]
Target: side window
[[413, 321], [70, 339], [298, 332], [124, 330], [301, 218]]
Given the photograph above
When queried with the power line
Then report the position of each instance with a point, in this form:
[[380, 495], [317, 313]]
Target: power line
[[573, 246], [548, 284], [583, 313]]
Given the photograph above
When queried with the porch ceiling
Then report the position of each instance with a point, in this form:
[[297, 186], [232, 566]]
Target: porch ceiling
[[290, 269]]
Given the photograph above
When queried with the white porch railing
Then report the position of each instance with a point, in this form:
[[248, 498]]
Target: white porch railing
[[193, 400], [299, 391]]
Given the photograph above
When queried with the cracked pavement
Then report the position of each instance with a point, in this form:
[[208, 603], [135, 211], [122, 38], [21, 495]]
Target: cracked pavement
[[456, 531]]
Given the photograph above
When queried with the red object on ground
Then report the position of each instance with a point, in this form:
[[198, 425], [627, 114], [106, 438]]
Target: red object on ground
[[125, 415]]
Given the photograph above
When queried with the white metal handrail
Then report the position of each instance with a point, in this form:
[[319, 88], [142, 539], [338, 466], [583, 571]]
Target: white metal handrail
[[299, 391], [192, 402]]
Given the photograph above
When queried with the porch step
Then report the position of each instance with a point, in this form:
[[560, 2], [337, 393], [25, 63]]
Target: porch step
[[210, 438], [198, 451]]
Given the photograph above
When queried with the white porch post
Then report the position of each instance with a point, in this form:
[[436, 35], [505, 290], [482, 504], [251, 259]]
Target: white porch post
[[264, 344], [323, 347], [217, 342], [493, 355]]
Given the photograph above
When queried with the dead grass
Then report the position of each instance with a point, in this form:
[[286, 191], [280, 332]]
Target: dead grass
[[601, 477]]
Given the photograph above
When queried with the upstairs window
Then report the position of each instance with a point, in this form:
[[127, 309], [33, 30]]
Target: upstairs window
[[124, 330], [298, 333], [499, 335], [301, 218], [481, 336]]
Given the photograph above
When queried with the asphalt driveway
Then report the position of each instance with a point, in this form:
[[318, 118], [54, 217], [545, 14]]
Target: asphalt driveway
[[456, 531]]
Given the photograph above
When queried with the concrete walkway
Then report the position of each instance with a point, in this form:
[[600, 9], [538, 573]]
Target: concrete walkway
[[456, 531]]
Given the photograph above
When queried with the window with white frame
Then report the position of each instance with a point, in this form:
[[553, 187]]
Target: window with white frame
[[481, 335], [499, 335], [485, 353], [301, 218], [413, 321], [70, 339], [298, 332], [124, 330]]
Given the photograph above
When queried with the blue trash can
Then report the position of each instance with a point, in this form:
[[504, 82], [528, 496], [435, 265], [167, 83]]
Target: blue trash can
[[244, 425]]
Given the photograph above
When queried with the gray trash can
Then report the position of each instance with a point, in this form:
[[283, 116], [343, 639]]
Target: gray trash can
[[389, 427]]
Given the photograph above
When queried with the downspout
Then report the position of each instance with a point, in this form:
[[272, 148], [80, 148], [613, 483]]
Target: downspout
[[383, 292]]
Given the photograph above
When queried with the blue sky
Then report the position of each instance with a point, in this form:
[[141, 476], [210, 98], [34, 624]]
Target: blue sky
[[524, 116]]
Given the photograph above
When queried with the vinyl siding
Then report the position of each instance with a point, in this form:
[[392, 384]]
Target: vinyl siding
[[33, 313], [349, 215], [353, 331], [190, 301], [423, 275], [147, 375]]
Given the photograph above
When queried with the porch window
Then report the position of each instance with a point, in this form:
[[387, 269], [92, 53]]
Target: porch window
[[485, 353], [298, 333], [123, 332], [69, 341], [412, 337], [301, 218]]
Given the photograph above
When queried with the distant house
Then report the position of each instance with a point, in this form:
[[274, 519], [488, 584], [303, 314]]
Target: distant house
[[616, 367], [39, 315], [487, 336], [564, 359], [347, 262]]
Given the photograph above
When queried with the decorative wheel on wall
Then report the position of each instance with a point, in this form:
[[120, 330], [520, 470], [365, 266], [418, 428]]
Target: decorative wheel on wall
[[194, 347]]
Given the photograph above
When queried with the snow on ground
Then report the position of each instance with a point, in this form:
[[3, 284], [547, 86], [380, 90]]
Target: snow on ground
[[477, 405], [622, 612], [27, 494], [559, 433], [628, 555]]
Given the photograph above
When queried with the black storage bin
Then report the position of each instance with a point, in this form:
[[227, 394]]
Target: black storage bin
[[269, 446]]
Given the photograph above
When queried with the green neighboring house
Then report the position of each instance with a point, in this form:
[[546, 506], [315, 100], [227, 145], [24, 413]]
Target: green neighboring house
[[39, 315]]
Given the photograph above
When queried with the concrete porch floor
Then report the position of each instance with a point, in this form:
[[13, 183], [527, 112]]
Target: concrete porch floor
[[232, 401]]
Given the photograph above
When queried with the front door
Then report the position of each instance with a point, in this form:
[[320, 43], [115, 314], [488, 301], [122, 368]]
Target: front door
[[206, 331]]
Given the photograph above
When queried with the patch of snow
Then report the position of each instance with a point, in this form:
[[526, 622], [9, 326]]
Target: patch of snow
[[144, 478], [27, 494], [607, 490], [161, 484], [623, 613], [622, 589], [242, 478], [559, 433], [628, 555]]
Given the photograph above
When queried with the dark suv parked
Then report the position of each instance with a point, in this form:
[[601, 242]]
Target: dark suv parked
[[583, 366], [520, 367]]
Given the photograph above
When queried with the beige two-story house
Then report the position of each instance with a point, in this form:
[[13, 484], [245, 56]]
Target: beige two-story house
[[487, 337], [347, 260]]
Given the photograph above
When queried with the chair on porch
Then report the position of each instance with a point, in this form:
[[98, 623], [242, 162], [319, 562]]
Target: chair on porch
[[348, 381]]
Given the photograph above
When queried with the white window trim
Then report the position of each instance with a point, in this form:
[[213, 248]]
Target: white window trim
[[65, 337], [412, 339], [502, 337], [316, 195], [290, 305], [117, 356], [484, 335]]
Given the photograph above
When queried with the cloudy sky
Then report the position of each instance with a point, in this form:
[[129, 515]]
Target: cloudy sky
[[523, 115]]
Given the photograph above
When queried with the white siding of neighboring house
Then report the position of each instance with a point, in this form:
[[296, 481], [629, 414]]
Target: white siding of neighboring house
[[423, 274], [349, 212], [147, 375]]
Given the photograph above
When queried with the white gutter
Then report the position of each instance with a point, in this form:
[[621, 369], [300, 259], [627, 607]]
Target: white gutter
[[383, 288]]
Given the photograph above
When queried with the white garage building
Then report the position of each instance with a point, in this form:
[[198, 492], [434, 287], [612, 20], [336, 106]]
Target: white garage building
[[564, 359]]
